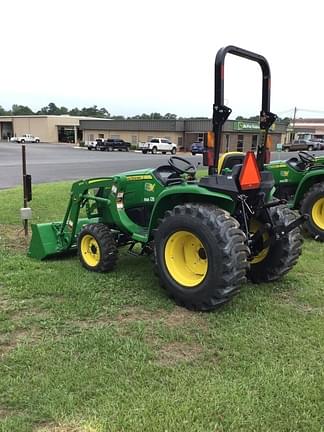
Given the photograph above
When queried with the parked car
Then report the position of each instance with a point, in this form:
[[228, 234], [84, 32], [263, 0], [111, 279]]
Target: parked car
[[114, 144], [95, 145], [300, 144], [197, 148], [25, 138], [158, 144], [318, 143]]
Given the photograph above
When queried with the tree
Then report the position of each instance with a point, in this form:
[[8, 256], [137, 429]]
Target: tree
[[169, 116], [21, 110], [52, 109], [3, 112], [93, 111]]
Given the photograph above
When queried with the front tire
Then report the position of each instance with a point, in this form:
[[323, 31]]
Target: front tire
[[97, 248], [313, 205], [144, 151], [200, 255], [173, 151], [154, 150], [277, 258]]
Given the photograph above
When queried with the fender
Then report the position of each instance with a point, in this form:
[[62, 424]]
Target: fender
[[315, 176], [184, 193]]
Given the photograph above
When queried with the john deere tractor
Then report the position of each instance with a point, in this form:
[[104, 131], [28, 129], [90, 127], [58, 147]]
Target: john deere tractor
[[205, 237], [298, 180]]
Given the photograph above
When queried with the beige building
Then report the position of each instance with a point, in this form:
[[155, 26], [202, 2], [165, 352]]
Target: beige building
[[48, 128], [238, 135]]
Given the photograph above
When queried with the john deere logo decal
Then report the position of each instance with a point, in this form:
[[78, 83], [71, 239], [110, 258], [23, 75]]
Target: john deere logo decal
[[149, 187]]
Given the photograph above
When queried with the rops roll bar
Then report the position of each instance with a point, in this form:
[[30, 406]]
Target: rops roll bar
[[222, 112]]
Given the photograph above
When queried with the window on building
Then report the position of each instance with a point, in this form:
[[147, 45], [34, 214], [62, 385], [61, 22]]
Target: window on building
[[227, 138], [240, 143], [254, 142], [134, 139], [101, 135], [180, 142], [200, 137]]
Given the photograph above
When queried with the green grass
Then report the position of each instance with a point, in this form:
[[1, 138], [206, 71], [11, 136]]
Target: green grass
[[110, 352]]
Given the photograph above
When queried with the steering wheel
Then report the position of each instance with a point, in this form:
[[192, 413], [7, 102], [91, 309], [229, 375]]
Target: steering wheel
[[182, 166], [306, 157]]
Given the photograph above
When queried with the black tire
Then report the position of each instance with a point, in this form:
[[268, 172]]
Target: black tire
[[154, 150], [89, 148], [174, 151], [193, 154], [37, 141], [164, 152], [102, 240], [283, 254], [144, 151], [307, 206], [22, 141], [223, 243], [127, 149]]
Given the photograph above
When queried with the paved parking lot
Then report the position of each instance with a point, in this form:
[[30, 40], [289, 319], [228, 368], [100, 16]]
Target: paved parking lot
[[55, 162]]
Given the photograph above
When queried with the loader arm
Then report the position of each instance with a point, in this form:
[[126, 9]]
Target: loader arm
[[57, 237]]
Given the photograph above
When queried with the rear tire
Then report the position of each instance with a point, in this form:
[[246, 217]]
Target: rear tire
[[144, 151], [97, 248], [154, 150], [282, 255], [313, 205], [173, 151], [200, 256]]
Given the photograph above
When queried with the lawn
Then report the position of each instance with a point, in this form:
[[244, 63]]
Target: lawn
[[110, 352]]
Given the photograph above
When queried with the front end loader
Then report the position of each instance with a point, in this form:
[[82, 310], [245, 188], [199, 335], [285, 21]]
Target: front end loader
[[205, 236]]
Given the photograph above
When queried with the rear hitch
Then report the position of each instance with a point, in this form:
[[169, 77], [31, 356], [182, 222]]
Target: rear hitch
[[281, 231]]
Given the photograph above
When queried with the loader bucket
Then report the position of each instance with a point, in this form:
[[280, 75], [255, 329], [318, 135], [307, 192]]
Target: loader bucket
[[44, 241], [47, 239]]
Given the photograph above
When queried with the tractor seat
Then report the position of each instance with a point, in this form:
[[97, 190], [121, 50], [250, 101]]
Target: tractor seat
[[167, 175], [296, 164], [228, 160]]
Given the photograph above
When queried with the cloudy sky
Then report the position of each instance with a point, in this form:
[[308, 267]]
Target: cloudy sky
[[135, 56]]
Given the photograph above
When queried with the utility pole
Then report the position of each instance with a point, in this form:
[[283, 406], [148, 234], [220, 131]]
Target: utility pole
[[293, 125]]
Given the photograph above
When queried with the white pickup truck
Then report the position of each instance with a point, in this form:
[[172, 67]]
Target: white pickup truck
[[25, 138], [158, 144]]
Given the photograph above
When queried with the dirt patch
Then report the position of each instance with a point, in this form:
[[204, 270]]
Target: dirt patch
[[288, 298], [50, 427], [12, 237], [4, 413], [178, 352], [131, 314], [12, 340], [181, 317]]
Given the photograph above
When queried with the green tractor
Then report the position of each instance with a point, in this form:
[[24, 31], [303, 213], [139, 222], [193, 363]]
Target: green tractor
[[299, 181], [205, 236]]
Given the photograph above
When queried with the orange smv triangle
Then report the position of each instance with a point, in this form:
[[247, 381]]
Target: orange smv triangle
[[250, 177]]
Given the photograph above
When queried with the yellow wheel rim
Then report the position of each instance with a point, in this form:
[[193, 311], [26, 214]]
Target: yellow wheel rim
[[254, 227], [90, 250], [318, 213], [186, 258]]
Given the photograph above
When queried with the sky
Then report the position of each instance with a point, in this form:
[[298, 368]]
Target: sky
[[144, 56]]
